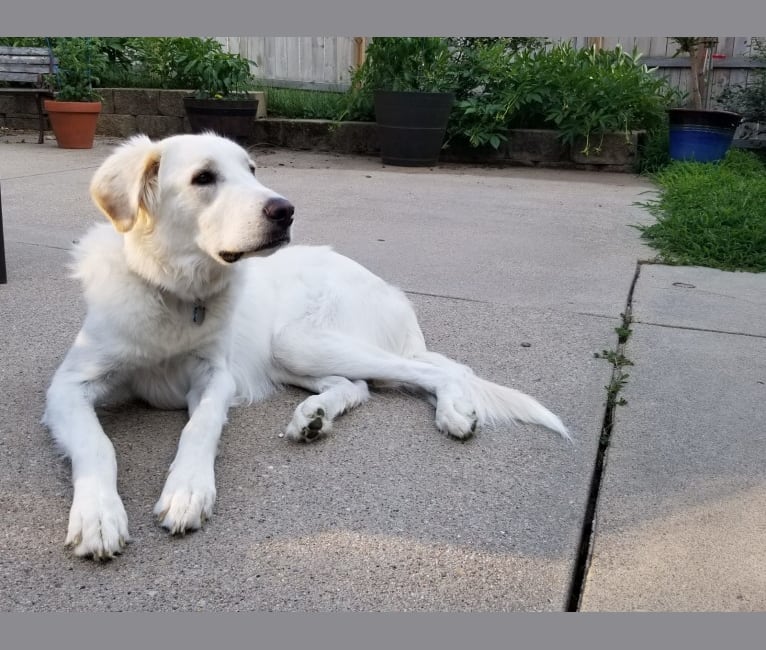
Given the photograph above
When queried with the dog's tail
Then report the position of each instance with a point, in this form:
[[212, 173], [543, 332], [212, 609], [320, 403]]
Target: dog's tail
[[496, 404]]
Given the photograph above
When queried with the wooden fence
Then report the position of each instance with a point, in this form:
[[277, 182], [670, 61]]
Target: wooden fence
[[325, 62], [318, 62]]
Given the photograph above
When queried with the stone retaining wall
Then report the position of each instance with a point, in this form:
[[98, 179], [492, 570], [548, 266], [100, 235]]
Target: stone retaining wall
[[159, 113]]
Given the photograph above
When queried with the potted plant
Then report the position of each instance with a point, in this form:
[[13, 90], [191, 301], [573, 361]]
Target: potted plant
[[222, 81], [696, 132], [407, 82], [74, 111]]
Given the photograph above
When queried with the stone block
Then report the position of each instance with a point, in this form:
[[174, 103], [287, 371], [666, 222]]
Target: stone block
[[159, 126], [535, 146], [612, 149], [120, 126], [354, 137], [171, 102], [8, 104], [136, 101], [20, 105], [107, 100], [23, 122]]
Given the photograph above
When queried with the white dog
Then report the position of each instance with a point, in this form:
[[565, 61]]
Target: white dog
[[177, 316]]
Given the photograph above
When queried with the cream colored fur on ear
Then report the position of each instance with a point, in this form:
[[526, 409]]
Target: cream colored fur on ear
[[124, 187]]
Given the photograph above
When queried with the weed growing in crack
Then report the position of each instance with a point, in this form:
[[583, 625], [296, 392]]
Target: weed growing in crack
[[618, 361]]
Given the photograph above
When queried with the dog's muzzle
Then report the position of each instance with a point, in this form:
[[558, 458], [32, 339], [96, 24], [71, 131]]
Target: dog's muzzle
[[279, 213]]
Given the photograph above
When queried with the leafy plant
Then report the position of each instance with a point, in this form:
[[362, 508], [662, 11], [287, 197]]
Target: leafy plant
[[81, 61], [488, 87], [581, 93], [400, 64], [653, 150], [595, 91], [211, 71], [749, 99]]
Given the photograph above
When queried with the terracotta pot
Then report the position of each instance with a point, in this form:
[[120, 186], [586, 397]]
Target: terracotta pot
[[73, 123]]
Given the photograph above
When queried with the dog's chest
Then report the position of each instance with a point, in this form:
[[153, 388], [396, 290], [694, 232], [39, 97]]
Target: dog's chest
[[169, 326]]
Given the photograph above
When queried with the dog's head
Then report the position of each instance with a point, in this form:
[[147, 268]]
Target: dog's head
[[192, 192]]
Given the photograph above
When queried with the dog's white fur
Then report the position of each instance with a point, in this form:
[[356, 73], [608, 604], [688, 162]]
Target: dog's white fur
[[303, 316]]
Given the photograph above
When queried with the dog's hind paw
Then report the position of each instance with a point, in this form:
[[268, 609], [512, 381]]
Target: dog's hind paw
[[456, 418], [98, 524], [308, 423]]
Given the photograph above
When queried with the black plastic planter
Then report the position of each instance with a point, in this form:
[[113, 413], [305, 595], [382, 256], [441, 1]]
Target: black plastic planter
[[701, 135], [411, 126], [234, 118]]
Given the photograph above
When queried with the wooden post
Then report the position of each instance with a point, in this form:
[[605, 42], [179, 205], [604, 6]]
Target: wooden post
[[598, 41], [360, 47]]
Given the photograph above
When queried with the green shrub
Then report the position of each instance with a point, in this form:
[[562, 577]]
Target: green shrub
[[749, 99], [581, 93]]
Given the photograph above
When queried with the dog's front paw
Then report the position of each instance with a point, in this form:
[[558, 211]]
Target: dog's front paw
[[309, 422], [98, 523], [186, 501]]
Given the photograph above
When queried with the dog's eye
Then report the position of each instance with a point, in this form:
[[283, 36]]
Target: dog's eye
[[204, 177], [252, 169]]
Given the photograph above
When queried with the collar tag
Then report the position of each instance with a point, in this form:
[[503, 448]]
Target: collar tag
[[198, 313]]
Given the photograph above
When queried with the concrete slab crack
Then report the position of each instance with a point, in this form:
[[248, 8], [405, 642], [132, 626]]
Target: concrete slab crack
[[618, 360]]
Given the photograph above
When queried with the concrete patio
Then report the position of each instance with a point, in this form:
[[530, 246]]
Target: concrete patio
[[522, 274]]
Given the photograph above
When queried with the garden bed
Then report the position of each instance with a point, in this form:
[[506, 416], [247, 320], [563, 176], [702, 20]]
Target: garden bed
[[159, 113]]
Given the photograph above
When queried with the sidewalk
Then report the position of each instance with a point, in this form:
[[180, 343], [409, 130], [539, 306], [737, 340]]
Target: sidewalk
[[522, 274]]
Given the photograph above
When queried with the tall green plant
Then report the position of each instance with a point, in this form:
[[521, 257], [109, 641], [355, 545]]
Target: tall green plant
[[581, 93], [400, 64], [213, 72], [80, 63]]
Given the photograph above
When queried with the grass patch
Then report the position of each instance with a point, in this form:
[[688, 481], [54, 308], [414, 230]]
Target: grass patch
[[296, 103], [711, 214]]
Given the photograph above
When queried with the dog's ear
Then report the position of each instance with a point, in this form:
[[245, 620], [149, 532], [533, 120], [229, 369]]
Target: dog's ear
[[125, 186]]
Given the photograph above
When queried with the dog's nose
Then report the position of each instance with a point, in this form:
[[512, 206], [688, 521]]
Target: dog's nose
[[279, 210]]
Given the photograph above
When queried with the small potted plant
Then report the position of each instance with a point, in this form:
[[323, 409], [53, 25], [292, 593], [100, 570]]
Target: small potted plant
[[407, 82], [74, 111], [696, 132], [222, 82]]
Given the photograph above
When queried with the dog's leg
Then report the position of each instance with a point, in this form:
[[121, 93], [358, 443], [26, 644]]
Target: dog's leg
[[98, 524], [314, 416], [189, 493], [463, 400], [330, 353]]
